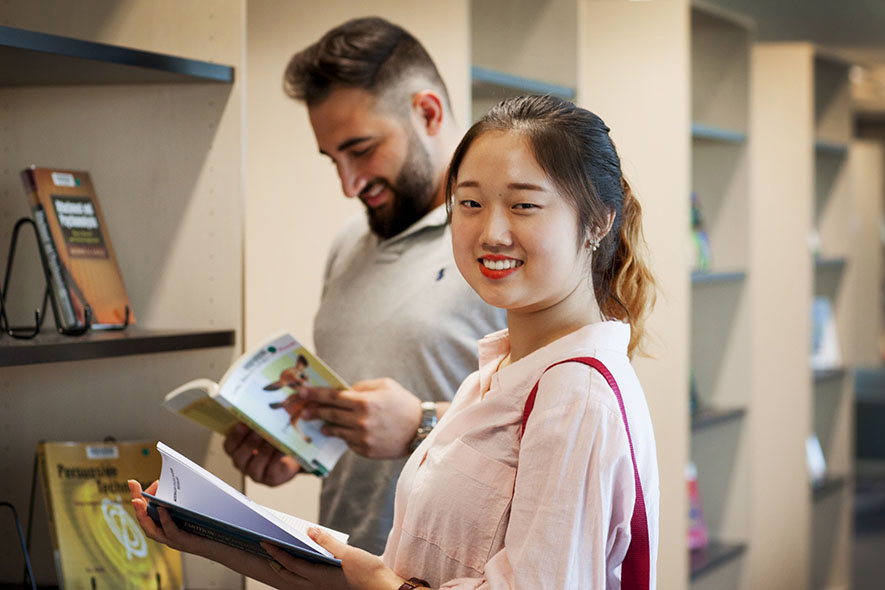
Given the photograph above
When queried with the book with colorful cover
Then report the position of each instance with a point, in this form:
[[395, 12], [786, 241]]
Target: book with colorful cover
[[76, 247], [201, 503], [97, 542], [261, 390], [825, 351], [698, 537]]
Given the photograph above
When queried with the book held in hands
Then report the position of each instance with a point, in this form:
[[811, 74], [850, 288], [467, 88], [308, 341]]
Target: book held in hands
[[76, 248], [261, 389], [97, 542], [203, 504]]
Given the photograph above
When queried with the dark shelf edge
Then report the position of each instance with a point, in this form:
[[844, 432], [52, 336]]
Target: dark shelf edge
[[829, 263], [719, 134], [481, 75], [821, 375], [716, 554], [704, 276], [133, 341], [830, 485], [711, 416], [113, 54]]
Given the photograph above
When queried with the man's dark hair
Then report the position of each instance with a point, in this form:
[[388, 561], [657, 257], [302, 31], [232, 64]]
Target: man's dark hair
[[368, 53]]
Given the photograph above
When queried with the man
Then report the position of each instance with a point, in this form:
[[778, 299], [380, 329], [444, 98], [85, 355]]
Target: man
[[393, 301]]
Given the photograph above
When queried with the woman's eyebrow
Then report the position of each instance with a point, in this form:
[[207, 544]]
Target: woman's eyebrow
[[519, 186]]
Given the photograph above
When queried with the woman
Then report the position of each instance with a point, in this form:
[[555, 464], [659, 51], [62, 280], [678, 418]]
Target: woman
[[530, 480]]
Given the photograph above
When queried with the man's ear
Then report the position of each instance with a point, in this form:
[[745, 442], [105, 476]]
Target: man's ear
[[427, 106]]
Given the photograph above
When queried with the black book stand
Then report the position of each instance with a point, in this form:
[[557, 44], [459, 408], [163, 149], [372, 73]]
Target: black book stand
[[48, 296]]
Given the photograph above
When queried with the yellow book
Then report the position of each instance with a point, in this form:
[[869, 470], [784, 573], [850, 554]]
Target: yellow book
[[97, 543]]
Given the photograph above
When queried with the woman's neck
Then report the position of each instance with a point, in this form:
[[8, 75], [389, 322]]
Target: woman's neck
[[531, 330]]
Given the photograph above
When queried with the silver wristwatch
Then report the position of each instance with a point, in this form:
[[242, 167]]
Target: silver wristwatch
[[428, 421]]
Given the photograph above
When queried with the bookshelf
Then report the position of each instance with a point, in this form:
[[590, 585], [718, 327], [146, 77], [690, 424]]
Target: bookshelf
[[832, 401], [720, 337], [152, 111]]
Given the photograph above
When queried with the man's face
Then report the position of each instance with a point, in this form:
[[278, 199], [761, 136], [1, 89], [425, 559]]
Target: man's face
[[379, 156]]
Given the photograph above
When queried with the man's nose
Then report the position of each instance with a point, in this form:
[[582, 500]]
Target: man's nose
[[352, 180]]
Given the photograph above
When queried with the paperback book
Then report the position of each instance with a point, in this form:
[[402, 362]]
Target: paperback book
[[261, 389], [97, 542], [201, 503], [76, 248]]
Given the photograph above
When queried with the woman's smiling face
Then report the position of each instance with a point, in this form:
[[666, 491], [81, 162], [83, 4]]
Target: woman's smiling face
[[514, 236]]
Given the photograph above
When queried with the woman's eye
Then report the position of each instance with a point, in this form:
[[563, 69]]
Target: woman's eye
[[469, 203], [525, 206]]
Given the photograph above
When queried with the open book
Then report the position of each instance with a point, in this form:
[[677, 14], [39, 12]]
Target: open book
[[261, 390], [204, 505]]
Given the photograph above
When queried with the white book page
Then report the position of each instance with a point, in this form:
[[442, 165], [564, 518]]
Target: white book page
[[188, 485], [302, 525]]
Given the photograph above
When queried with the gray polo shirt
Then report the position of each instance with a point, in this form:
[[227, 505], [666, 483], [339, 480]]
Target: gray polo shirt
[[396, 308]]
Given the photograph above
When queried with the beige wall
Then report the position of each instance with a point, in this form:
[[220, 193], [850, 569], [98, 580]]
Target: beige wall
[[633, 64]]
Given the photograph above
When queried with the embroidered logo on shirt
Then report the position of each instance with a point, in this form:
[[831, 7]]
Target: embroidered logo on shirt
[[441, 273]]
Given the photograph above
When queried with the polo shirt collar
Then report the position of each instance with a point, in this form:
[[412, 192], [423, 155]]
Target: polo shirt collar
[[436, 217]]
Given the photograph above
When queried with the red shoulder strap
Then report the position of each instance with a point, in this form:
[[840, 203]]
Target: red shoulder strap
[[635, 570]]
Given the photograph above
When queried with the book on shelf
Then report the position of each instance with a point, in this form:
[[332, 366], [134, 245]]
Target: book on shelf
[[814, 457], [698, 537], [96, 539], [825, 351], [700, 259], [203, 504], [261, 389], [76, 247]]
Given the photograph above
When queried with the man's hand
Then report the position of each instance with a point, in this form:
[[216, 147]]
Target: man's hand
[[378, 418], [257, 458]]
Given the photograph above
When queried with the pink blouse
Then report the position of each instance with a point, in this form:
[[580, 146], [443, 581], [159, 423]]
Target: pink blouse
[[466, 517]]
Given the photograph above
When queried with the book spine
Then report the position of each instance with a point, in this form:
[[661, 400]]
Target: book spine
[[57, 281], [43, 468]]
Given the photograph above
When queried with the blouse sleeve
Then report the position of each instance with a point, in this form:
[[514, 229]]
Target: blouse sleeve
[[573, 500]]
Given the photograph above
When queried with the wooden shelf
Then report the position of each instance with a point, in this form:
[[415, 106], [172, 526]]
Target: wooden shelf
[[711, 416], [830, 148], [710, 133], [703, 276], [831, 485], [829, 263], [52, 347], [716, 554], [29, 58], [821, 375], [485, 81]]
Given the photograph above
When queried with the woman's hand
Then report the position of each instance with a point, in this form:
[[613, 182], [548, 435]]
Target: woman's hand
[[166, 532], [359, 569]]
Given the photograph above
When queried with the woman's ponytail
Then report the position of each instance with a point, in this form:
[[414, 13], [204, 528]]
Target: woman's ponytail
[[627, 292]]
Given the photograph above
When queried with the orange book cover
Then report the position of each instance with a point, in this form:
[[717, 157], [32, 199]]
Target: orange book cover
[[77, 248]]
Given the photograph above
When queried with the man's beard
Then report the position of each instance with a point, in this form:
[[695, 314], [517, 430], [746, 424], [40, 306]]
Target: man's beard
[[412, 193]]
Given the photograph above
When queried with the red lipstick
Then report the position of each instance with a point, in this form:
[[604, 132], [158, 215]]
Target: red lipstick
[[497, 274]]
